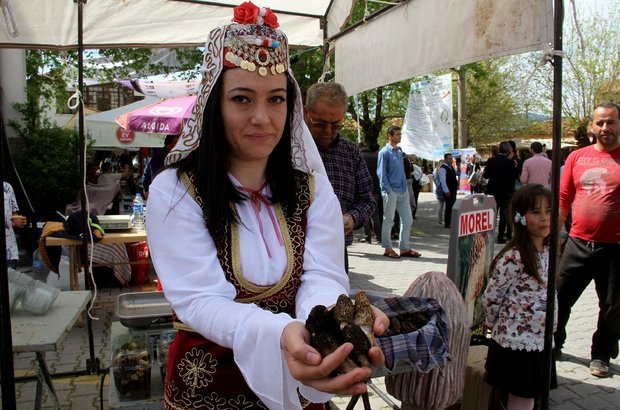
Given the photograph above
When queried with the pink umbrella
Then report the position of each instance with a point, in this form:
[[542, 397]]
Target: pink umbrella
[[163, 117]]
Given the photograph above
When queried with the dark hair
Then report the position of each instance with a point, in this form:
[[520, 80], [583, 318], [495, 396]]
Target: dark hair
[[524, 200], [170, 138], [608, 104], [445, 156], [537, 147], [513, 145], [105, 167], [504, 147], [392, 129], [209, 163]]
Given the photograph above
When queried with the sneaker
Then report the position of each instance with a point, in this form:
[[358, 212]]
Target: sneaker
[[599, 368]]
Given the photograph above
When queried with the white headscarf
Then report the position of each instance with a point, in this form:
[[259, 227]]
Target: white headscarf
[[261, 44]]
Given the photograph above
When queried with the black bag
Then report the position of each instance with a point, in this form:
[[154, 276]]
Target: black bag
[[74, 229]]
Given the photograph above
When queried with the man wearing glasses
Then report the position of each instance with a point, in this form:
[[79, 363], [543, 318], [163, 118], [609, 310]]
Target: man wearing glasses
[[326, 104]]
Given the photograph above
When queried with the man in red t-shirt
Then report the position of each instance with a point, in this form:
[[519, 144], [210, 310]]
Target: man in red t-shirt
[[590, 186]]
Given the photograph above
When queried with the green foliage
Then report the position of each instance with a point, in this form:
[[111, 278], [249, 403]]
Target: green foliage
[[47, 79], [590, 67], [492, 112], [307, 66], [50, 73], [47, 161]]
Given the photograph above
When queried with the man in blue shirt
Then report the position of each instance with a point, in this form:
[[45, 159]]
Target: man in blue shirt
[[391, 173]]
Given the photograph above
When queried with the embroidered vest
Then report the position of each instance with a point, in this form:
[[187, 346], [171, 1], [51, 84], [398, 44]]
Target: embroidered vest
[[203, 375]]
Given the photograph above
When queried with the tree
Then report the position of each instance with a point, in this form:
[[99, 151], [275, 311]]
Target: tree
[[492, 111], [48, 162], [591, 68], [50, 73]]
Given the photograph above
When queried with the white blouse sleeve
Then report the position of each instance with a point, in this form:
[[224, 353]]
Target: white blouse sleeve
[[186, 263]]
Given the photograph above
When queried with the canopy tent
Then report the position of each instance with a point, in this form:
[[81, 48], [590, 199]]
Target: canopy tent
[[106, 133], [419, 37], [81, 24], [170, 23], [155, 23]]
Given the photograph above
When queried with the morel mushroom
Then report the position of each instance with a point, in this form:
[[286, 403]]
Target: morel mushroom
[[346, 322], [344, 311], [363, 316], [325, 344]]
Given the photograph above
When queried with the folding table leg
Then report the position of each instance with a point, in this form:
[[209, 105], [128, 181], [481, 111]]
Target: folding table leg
[[382, 395], [43, 377], [354, 400]]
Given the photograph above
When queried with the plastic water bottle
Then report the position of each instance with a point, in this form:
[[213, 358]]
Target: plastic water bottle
[[138, 213]]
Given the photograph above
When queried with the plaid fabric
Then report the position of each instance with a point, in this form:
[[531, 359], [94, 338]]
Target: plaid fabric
[[114, 255], [350, 179], [424, 349]]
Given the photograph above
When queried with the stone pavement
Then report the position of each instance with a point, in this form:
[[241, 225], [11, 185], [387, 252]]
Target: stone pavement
[[369, 270]]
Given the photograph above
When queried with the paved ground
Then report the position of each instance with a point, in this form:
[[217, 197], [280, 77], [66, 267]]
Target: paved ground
[[369, 270]]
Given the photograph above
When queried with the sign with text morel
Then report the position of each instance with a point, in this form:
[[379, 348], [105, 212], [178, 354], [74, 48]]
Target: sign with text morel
[[472, 241]]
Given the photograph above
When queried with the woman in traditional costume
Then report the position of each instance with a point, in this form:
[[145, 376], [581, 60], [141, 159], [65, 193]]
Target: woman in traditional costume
[[245, 234]]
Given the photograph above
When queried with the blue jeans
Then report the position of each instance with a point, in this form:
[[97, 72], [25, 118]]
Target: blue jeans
[[392, 202]]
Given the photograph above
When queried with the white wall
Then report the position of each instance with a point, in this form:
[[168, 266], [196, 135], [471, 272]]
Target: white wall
[[13, 83]]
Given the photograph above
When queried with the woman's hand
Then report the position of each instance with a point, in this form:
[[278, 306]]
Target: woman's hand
[[375, 354], [307, 366]]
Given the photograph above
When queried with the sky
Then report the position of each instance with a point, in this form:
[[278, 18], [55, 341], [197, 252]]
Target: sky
[[586, 6]]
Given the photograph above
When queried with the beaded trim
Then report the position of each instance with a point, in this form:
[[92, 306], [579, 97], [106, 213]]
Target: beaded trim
[[254, 47]]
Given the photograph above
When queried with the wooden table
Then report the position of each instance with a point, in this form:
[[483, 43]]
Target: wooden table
[[74, 247], [41, 334]]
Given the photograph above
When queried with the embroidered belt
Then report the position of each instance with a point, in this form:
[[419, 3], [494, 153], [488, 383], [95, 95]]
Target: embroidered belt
[[182, 326]]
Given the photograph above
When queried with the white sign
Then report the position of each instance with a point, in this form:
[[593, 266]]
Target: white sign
[[427, 129], [478, 221]]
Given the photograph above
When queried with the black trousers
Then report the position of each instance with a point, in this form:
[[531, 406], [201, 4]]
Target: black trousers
[[447, 212], [373, 224], [504, 229], [416, 194], [581, 263]]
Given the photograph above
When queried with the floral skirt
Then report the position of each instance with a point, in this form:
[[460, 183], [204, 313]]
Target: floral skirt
[[203, 375]]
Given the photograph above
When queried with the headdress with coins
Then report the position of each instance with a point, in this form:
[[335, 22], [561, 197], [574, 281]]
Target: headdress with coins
[[253, 43]]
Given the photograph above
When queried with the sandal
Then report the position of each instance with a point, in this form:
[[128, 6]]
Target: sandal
[[410, 253], [389, 252]]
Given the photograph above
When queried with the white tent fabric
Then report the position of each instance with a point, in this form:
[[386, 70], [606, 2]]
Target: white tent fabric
[[154, 23], [423, 36], [104, 131]]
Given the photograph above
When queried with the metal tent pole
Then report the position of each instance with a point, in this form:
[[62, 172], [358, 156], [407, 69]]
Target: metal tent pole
[[558, 21], [7, 377], [92, 364]]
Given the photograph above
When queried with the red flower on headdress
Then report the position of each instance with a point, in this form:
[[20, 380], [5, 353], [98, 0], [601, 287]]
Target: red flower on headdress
[[248, 13], [245, 13], [270, 19]]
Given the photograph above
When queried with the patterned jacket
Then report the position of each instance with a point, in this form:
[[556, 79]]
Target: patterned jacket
[[515, 303]]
